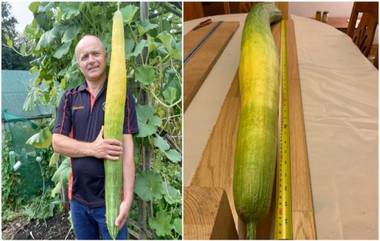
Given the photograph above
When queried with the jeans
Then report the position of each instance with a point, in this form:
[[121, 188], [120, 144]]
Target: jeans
[[90, 223]]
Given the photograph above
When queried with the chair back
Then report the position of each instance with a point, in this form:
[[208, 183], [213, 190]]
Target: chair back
[[363, 35]]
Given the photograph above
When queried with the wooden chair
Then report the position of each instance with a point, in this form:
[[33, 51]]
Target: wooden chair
[[244, 7], [363, 35]]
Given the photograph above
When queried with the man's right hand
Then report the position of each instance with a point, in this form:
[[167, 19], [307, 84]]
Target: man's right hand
[[109, 149]]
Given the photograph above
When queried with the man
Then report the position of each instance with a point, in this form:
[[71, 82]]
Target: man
[[78, 134]]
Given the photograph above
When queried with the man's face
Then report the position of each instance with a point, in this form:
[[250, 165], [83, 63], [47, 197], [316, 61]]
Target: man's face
[[91, 58]]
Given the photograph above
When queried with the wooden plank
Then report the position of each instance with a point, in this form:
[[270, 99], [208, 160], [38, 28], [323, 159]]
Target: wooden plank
[[215, 169], [208, 214], [198, 67], [194, 36], [302, 199]]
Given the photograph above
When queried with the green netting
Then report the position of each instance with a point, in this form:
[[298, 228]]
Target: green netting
[[18, 126], [14, 90], [31, 179]]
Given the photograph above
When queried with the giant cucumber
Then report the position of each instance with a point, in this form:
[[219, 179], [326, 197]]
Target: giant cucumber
[[113, 122], [255, 156]]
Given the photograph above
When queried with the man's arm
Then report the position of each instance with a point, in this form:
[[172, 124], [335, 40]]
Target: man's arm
[[101, 148], [128, 180]]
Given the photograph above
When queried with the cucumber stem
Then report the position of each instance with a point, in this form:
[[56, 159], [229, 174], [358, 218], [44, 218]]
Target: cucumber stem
[[251, 230]]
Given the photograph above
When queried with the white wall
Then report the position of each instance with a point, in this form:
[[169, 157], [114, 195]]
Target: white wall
[[308, 9], [336, 9]]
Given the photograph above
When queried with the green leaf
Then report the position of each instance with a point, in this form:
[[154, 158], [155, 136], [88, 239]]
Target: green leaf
[[145, 27], [139, 48], [167, 40], [145, 74], [178, 225], [45, 6], [23, 49], [62, 50], [9, 41], [70, 33], [33, 7], [54, 159], [69, 9], [40, 140], [43, 21], [170, 94], [161, 143], [62, 172], [160, 223], [176, 53], [147, 121], [47, 38], [171, 194], [128, 13], [148, 186], [129, 45], [152, 45], [57, 189], [173, 155]]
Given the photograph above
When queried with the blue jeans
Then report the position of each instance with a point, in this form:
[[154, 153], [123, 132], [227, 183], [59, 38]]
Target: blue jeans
[[90, 223]]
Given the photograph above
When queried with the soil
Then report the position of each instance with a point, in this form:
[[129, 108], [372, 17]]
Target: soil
[[57, 227]]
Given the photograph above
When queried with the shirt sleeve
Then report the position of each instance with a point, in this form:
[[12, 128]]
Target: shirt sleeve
[[63, 116], [130, 117]]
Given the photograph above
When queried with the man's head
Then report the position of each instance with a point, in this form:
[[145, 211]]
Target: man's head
[[91, 58]]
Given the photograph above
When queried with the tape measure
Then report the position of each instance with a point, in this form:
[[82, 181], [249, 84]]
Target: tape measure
[[283, 228]]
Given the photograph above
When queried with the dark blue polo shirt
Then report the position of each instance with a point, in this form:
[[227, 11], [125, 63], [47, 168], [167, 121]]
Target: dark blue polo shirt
[[80, 115]]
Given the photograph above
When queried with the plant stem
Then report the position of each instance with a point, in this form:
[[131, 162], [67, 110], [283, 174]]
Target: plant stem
[[251, 230]]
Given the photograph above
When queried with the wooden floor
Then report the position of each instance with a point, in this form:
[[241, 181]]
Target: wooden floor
[[216, 166]]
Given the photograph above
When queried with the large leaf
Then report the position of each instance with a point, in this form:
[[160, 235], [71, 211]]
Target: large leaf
[[57, 189], [145, 74], [33, 7], [152, 45], [145, 27], [160, 223], [61, 51], [128, 13], [170, 94], [171, 194], [54, 159], [62, 173], [70, 33], [173, 155], [45, 6], [167, 39], [161, 143], [147, 121], [47, 38], [40, 140], [139, 48], [129, 45], [148, 186], [69, 9], [178, 225]]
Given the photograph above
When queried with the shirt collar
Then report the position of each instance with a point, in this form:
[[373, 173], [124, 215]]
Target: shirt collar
[[83, 87]]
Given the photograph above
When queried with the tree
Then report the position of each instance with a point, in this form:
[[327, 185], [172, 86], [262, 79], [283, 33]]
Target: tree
[[10, 59]]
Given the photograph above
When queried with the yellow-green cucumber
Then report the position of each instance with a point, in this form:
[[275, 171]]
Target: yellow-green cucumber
[[113, 122], [256, 150]]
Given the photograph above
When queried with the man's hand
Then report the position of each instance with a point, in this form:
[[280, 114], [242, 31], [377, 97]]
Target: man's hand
[[109, 149], [123, 215]]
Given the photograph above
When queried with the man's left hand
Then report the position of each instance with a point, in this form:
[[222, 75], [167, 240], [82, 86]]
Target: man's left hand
[[123, 215]]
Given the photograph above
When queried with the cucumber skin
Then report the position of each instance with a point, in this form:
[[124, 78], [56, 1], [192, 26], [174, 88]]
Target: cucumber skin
[[256, 150]]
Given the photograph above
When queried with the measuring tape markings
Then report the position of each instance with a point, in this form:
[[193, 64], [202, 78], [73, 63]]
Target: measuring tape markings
[[201, 42], [283, 212]]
